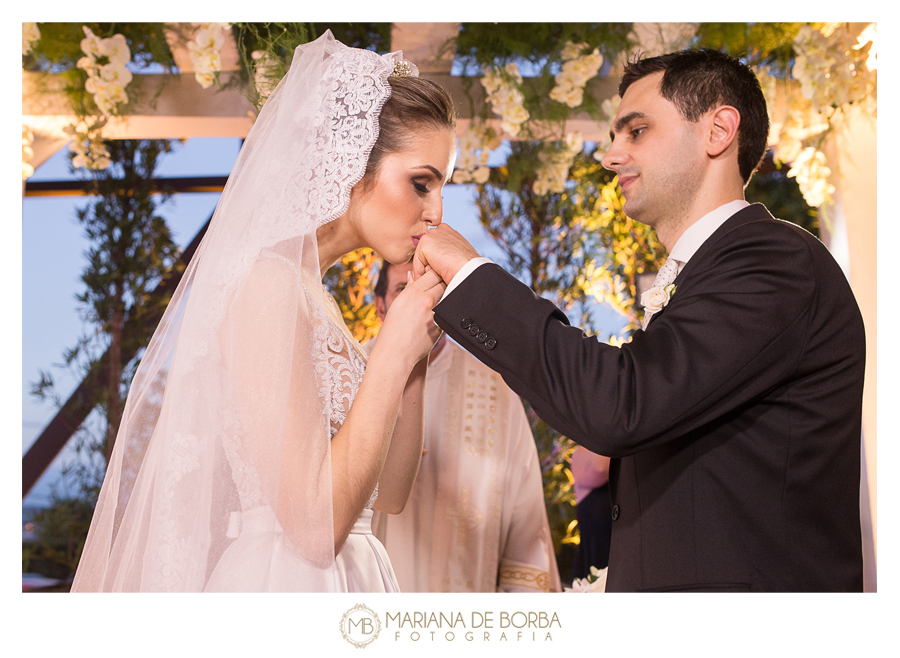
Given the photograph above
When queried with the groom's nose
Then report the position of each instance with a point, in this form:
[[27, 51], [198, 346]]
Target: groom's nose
[[613, 157]]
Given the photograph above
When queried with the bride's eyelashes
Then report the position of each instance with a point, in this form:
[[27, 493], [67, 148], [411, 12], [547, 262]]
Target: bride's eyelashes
[[421, 188]]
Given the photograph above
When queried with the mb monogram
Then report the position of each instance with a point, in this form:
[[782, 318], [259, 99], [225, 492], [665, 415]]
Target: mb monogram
[[360, 625]]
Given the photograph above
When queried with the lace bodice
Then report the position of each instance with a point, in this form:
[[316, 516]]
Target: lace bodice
[[340, 365], [340, 361]]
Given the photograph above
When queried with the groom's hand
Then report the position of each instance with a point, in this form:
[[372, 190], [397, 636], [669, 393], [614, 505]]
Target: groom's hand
[[443, 250]]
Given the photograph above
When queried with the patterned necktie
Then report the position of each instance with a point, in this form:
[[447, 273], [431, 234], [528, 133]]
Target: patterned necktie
[[666, 274], [664, 277]]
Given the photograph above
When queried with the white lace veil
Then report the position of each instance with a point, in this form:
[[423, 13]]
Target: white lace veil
[[227, 411]]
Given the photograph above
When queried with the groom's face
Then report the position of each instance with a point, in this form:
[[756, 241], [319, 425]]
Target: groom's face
[[656, 152], [396, 282]]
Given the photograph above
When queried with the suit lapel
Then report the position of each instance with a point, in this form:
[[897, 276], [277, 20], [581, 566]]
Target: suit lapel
[[752, 213]]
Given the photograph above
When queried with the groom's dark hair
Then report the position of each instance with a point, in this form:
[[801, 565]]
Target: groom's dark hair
[[382, 283], [696, 81]]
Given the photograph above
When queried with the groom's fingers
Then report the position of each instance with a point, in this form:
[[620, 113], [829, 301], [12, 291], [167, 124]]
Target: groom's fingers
[[431, 284], [430, 280], [420, 262]]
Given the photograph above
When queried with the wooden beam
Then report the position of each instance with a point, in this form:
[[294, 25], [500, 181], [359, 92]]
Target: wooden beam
[[164, 106], [182, 185], [168, 106], [424, 45]]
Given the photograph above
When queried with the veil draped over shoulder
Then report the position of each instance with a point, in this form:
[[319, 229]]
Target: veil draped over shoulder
[[232, 407]]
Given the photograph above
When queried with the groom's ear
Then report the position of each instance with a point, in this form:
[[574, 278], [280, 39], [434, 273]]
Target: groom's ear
[[379, 308], [722, 132]]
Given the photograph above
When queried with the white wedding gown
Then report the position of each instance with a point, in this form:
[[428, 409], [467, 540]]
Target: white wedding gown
[[363, 564]]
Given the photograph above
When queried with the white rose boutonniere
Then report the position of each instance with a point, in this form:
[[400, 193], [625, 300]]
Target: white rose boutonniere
[[595, 582], [654, 300]]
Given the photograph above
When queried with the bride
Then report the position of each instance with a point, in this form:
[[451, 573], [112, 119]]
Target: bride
[[252, 449]]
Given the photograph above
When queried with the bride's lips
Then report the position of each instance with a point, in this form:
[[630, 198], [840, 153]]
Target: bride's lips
[[416, 238]]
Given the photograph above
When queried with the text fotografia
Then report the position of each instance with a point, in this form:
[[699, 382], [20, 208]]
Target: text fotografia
[[476, 627]]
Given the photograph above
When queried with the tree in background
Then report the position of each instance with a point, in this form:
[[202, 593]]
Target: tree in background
[[131, 251], [61, 530]]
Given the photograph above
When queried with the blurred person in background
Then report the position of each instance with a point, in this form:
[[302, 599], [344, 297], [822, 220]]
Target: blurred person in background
[[475, 520]]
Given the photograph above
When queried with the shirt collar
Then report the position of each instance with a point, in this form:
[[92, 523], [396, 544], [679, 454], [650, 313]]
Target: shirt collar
[[700, 231]]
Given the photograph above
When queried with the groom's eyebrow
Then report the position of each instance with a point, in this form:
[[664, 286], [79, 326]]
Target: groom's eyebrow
[[623, 121]]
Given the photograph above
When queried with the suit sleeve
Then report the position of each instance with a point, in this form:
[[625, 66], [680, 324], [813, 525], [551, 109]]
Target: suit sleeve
[[734, 329]]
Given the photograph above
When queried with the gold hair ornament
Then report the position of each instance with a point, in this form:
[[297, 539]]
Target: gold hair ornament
[[403, 68]]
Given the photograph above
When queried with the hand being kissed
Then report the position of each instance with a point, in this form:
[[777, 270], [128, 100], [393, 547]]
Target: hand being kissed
[[443, 250]]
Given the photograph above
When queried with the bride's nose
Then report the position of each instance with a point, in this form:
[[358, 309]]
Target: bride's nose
[[434, 211]]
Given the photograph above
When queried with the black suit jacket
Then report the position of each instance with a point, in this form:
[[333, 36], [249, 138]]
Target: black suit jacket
[[734, 420]]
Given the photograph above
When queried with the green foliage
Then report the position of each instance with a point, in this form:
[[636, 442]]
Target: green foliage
[[767, 44], [551, 241], [622, 248], [538, 234], [536, 49], [538, 43], [279, 40], [59, 47], [782, 196], [61, 530], [131, 246], [373, 36]]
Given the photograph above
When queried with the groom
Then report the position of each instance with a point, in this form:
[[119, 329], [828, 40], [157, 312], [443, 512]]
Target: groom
[[734, 416]]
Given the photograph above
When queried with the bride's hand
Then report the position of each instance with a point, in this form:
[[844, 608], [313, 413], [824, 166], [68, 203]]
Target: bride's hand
[[409, 327]]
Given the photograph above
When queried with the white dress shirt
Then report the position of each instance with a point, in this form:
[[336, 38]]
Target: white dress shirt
[[701, 230]]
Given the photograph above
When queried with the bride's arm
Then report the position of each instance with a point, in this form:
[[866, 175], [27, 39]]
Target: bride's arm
[[373, 446], [405, 454]]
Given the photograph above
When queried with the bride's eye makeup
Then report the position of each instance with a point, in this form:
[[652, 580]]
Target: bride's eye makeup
[[424, 175]]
